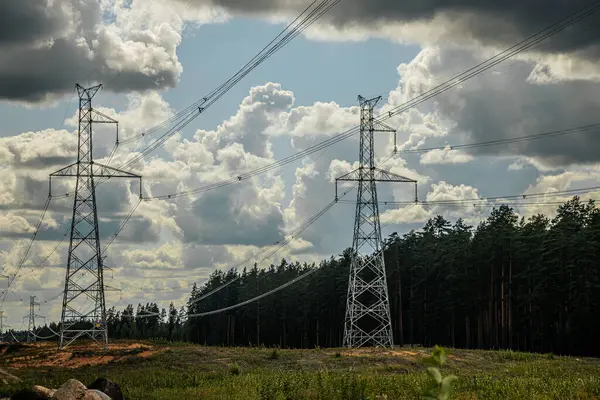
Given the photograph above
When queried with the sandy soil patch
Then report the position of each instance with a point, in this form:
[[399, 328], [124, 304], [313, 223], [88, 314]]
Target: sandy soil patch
[[75, 356]]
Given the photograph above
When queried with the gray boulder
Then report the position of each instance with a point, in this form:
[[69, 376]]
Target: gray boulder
[[100, 389], [93, 394], [107, 387], [43, 392], [70, 390]]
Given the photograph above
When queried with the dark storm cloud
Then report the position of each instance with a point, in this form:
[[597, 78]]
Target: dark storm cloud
[[24, 21], [534, 110], [33, 74], [504, 105], [45, 50], [488, 21], [216, 219]]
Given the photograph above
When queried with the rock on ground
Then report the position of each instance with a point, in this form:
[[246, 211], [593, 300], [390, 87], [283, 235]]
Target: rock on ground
[[108, 387], [100, 389], [43, 392], [94, 394], [70, 390]]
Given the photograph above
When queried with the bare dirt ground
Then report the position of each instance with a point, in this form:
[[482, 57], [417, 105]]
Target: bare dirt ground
[[24, 355]]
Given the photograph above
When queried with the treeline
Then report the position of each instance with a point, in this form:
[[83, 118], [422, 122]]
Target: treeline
[[147, 322], [509, 283], [529, 285]]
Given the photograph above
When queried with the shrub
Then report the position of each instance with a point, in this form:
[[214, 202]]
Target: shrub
[[234, 369], [274, 355]]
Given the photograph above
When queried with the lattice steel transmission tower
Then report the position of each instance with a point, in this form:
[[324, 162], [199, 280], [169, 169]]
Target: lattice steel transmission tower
[[368, 320], [85, 273], [2, 294], [2, 318], [31, 326]]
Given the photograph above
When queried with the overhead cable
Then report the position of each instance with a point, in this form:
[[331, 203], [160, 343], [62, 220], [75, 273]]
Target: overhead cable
[[299, 278], [308, 17], [524, 45], [27, 249], [545, 135], [501, 198], [268, 254]]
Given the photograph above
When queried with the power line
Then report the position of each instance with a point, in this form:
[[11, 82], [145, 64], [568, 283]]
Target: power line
[[256, 172], [308, 17], [301, 277], [525, 138], [292, 27], [533, 40], [45, 260], [323, 145], [302, 228], [464, 204], [292, 236], [27, 249], [262, 296], [280, 246], [268, 251], [299, 230], [500, 198], [297, 279], [411, 204], [121, 227], [439, 89]]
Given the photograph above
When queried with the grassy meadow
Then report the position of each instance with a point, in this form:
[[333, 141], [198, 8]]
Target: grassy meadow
[[154, 370]]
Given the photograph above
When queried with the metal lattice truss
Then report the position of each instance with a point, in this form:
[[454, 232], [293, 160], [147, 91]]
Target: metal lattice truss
[[32, 315], [84, 307], [2, 325], [368, 320]]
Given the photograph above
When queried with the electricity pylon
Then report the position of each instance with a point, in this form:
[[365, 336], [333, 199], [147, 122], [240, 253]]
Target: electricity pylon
[[368, 320], [2, 318], [31, 326], [85, 260]]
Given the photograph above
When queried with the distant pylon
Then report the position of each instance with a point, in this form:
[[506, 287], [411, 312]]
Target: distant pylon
[[2, 318], [31, 326], [368, 320], [85, 276]]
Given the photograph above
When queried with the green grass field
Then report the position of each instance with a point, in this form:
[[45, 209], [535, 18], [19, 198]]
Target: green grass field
[[183, 371]]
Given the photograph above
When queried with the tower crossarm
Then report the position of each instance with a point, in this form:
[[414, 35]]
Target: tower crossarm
[[100, 118], [95, 170], [379, 126], [373, 175]]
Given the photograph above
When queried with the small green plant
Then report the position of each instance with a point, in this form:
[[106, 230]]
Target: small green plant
[[550, 356], [440, 387], [234, 369], [274, 355], [338, 355]]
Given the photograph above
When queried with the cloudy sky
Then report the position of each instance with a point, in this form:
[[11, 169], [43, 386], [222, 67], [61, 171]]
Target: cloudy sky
[[158, 57]]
